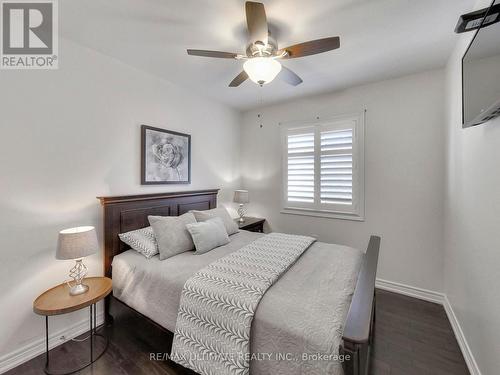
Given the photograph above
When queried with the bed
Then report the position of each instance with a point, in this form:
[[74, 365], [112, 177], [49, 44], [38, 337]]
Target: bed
[[325, 277]]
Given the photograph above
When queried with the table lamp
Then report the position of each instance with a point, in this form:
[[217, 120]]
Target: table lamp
[[77, 243], [241, 197]]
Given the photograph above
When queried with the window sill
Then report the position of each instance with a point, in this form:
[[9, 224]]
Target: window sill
[[323, 214]]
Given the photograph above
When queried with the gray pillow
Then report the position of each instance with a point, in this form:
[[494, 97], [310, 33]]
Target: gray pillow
[[229, 223], [171, 234], [208, 235], [141, 240]]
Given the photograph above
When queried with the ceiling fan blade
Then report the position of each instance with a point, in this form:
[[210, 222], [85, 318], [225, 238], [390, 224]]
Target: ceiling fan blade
[[312, 47], [289, 76], [257, 22], [240, 78], [218, 54]]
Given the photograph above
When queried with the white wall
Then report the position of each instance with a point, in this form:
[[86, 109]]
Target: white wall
[[472, 222], [70, 135], [404, 173]]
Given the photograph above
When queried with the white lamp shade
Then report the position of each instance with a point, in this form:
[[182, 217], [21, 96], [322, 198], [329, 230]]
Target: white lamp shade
[[241, 196], [76, 243], [262, 70]]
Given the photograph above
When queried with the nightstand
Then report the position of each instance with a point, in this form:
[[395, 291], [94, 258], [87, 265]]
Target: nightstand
[[252, 224], [57, 301]]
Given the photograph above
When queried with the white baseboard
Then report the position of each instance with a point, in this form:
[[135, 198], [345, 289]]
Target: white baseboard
[[411, 291], [37, 347], [462, 342], [442, 299]]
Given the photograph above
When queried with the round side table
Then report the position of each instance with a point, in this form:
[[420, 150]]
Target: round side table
[[57, 301]]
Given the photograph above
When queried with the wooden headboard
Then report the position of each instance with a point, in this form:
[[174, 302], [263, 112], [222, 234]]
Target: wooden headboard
[[129, 212]]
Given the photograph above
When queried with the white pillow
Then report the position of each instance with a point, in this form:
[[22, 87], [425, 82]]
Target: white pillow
[[229, 223], [141, 240], [171, 234], [208, 235]]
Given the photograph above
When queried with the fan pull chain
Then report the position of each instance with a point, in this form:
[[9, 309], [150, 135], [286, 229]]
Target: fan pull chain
[[261, 115]]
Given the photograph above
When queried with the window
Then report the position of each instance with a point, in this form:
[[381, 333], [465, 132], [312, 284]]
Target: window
[[323, 167]]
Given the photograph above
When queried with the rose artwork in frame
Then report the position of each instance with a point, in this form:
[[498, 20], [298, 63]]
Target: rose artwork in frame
[[165, 156]]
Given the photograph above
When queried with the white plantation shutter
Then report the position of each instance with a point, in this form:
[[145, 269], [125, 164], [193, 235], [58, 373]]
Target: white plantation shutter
[[300, 166], [323, 165], [336, 166]]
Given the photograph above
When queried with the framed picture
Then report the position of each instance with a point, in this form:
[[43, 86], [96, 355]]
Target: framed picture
[[165, 156]]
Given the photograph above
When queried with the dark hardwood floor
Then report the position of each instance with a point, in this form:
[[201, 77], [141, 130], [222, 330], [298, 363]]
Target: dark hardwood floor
[[414, 337], [411, 337]]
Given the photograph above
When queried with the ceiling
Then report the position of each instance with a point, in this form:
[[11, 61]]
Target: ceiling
[[380, 39]]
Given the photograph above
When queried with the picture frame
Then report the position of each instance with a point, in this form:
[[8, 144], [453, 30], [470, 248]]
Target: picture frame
[[165, 156]]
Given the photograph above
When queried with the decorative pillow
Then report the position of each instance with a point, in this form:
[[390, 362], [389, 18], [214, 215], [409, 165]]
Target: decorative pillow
[[171, 234], [208, 235], [229, 223], [141, 240]]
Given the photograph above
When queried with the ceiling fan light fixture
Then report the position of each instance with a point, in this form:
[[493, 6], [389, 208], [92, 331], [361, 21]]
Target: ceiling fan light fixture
[[261, 52], [262, 70]]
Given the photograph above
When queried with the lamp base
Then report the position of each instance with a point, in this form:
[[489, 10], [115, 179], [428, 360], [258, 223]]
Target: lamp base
[[78, 273], [241, 213], [78, 289]]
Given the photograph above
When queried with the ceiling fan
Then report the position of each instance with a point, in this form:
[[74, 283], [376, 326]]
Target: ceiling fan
[[262, 52]]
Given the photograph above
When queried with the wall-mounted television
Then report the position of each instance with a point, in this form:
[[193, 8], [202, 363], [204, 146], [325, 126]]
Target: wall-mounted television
[[481, 73]]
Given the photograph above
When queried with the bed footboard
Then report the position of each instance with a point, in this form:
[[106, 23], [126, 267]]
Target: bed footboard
[[358, 329]]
